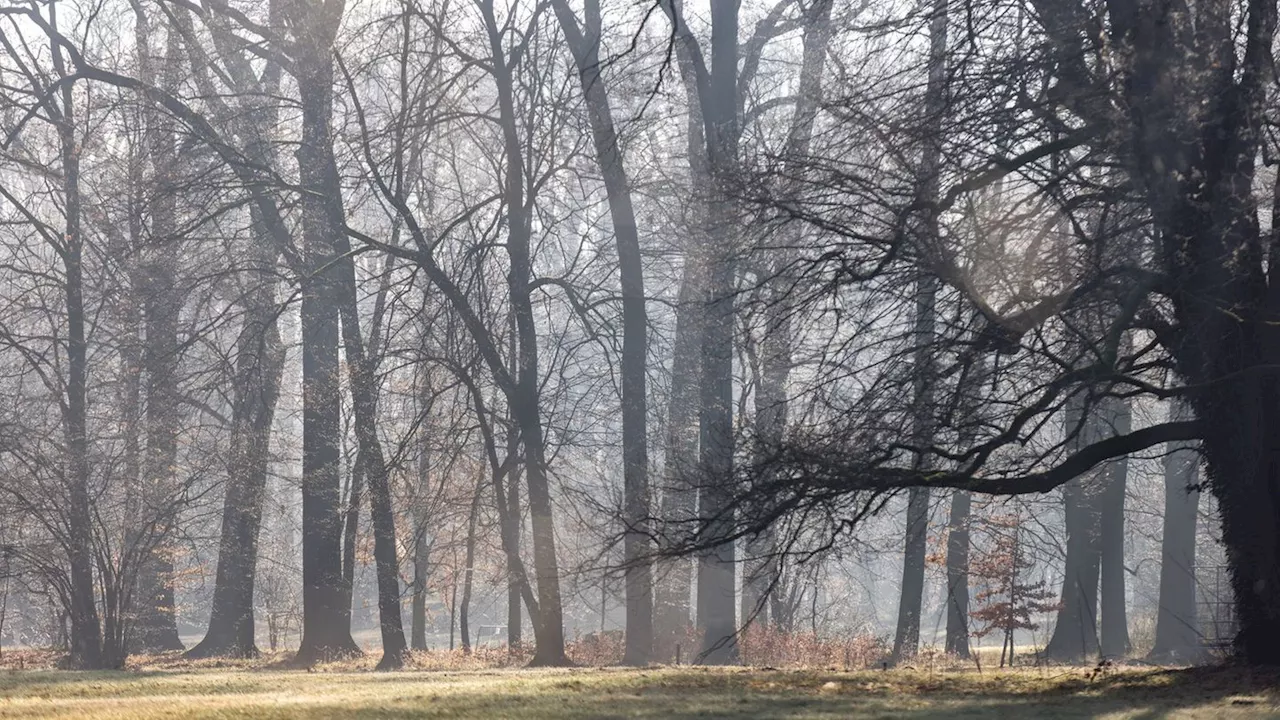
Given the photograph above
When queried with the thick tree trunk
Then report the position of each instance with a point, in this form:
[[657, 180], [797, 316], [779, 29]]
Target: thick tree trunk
[[906, 641], [1242, 450], [672, 612], [259, 364], [907, 638], [1075, 635], [717, 606], [717, 622], [1115, 624], [154, 626], [1177, 633], [957, 642], [326, 628]]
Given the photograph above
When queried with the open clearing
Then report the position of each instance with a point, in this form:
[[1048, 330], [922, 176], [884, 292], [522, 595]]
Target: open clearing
[[651, 693]]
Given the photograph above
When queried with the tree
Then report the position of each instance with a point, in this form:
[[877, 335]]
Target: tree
[[1177, 634], [326, 617], [1007, 602], [584, 43]]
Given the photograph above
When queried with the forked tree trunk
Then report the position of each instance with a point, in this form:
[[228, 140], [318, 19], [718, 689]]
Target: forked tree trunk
[[524, 394], [154, 627], [1177, 634], [672, 611], [326, 628]]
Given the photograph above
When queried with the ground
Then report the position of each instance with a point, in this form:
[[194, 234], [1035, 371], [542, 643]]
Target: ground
[[210, 692]]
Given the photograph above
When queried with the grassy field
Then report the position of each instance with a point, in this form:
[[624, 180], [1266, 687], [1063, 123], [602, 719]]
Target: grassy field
[[654, 693]]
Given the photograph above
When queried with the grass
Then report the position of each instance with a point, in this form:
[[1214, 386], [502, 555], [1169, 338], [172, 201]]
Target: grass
[[256, 692]]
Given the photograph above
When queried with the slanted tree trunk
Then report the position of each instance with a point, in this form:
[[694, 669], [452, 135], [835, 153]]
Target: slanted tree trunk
[[524, 395], [1177, 634], [585, 44], [326, 627], [362, 366], [259, 364]]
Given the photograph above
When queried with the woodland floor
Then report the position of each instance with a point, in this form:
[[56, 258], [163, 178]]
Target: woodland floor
[[165, 691]]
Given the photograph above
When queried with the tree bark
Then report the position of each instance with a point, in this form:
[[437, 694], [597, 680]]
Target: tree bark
[[1115, 624], [1075, 635], [524, 396], [81, 602], [635, 321], [957, 642], [154, 624], [326, 629], [717, 606], [1177, 632]]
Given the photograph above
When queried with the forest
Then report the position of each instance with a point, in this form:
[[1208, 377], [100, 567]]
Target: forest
[[640, 332]]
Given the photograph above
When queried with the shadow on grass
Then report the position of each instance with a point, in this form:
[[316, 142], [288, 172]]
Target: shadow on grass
[[678, 693]]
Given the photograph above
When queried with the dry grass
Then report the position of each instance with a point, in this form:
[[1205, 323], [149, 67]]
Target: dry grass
[[167, 687]]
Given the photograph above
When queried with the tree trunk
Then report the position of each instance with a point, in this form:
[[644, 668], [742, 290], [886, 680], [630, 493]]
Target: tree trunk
[[1177, 633], [326, 628], [362, 367], [421, 549], [957, 642], [81, 603], [907, 638], [1115, 625], [155, 628], [635, 321], [259, 363], [469, 569], [1242, 449], [672, 615], [514, 580], [1075, 635], [524, 396], [906, 641], [717, 608]]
